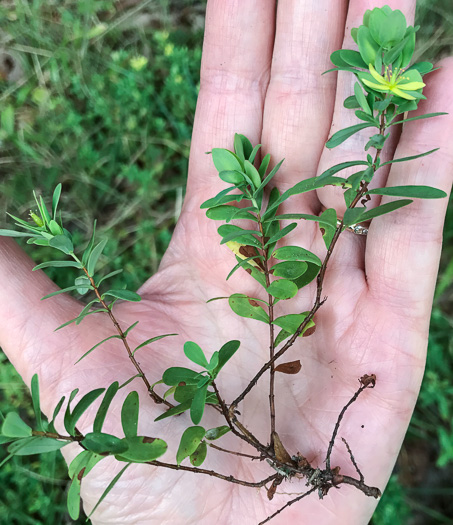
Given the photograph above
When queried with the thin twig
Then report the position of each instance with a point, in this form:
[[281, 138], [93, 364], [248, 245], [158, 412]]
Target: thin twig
[[156, 398], [365, 382], [353, 461], [295, 500], [233, 452], [214, 474]]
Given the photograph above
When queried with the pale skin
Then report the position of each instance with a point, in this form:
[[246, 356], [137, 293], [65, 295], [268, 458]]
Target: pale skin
[[261, 76]]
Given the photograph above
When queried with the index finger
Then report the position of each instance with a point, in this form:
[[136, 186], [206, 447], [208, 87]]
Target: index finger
[[237, 53]]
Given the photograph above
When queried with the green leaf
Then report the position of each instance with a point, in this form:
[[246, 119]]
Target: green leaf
[[13, 426], [367, 118], [57, 264], [223, 199], [109, 488], [269, 177], [89, 248], [82, 315], [82, 284], [308, 276], [243, 263], [129, 415], [367, 215], [282, 289], [62, 243], [35, 445], [238, 147], [253, 174], [352, 58], [351, 103], [83, 405], [101, 443], [111, 274], [247, 147], [227, 213], [253, 153], [417, 192], [264, 165], [216, 433], [94, 256], [361, 98], [339, 167], [198, 404], [152, 340], [124, 295], [376, 141], [230, 232], [142, 449], [198, 457], [175, 375], [184, 393], [387, 27], [195, 354], [170, 391], [282, 233], [329, 225], [73, 501], [55, 413], [12, 233], [96, 345], [179, 409], [190, 440], [130, 328], [337, 60], [296, 253], [368, 48], [247, 307], [340, 136], [36, 401], [104, 406], [232, 177], [55, 228], [290, 323], [420, 117], [225, 160], [64, 290], [226, 353], [289, 269], [422, 67], [282, 335], [55, 200]]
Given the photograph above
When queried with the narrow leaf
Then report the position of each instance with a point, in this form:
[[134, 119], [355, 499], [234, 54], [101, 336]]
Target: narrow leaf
[[125, 295], [104, 406], [282, 233], [94, 256], [404, 159], [83, 405], [340, 136], [142, 449], [149, 341], [426, 115], [175, 375], [296, 253], [13, 426], [36, 401], [216, 433], [62, 243], [96, 345], [198, 404], [58, 264], [179, 409], [109, 488], [129, 415], [420, 192], [374, 212]]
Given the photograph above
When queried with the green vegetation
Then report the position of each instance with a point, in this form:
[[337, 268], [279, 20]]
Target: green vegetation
[[104, 104]]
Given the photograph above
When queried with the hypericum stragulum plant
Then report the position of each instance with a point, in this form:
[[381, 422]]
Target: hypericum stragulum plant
[[387, 86]]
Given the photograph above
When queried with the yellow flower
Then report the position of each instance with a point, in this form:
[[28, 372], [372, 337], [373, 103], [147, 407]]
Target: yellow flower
[[394, 81]]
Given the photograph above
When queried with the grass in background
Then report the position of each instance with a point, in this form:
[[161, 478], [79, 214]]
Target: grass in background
[[101, 97]]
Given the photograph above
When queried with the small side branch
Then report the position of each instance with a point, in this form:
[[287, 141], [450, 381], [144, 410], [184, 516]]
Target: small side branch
[[353, 461], [214, 474], [366, 381], [295, 500]]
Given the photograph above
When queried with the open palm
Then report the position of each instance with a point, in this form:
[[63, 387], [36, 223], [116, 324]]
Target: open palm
[[261, 76]]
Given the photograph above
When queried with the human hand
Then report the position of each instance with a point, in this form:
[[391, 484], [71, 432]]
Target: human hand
[[379, 289]]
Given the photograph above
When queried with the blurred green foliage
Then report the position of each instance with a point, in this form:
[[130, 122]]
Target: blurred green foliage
[[101, 97]]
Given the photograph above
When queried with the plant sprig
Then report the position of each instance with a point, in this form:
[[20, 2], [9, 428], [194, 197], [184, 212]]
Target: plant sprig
[[386, 88]]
